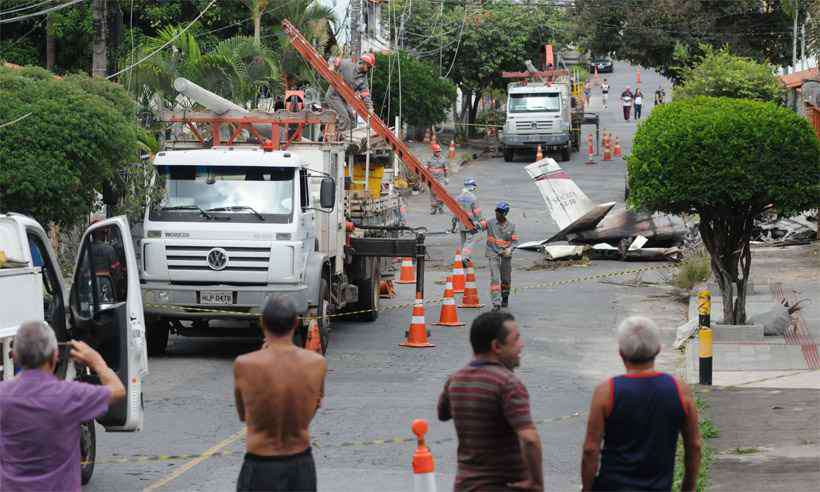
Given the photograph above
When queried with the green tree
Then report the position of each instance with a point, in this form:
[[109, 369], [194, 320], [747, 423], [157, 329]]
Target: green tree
[[257, 8], [427, 97], [71, 146], [727, 160], [722, 74], [650, 32]]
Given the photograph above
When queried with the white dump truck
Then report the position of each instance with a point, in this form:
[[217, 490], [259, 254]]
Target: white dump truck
[[103, 308], [244, 218]]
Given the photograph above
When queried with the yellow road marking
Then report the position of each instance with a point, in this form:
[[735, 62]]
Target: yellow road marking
[[187, 466]]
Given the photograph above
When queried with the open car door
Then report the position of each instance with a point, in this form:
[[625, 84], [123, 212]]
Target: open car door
[[107, 313]]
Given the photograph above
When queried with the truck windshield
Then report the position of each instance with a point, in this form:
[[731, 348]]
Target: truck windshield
[[201, 193], [534, 103]]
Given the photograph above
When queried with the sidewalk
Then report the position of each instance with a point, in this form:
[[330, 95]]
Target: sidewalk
[[765, 402]]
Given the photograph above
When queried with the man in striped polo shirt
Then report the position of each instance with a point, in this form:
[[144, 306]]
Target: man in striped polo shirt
[[498, 445]]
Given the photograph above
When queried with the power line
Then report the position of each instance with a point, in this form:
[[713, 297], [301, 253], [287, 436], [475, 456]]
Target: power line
[[26, 7], [166, 44], [41, 12], [16, 120]]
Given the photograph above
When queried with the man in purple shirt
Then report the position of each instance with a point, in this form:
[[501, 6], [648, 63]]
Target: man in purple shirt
[[40, 415]]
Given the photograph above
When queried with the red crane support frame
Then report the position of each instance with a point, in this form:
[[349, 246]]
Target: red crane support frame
[[319, 64]]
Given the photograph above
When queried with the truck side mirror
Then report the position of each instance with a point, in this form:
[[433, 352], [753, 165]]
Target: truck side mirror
[[327, 194]]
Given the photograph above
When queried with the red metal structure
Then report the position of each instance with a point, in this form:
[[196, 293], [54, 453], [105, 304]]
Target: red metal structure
[[319, 64]]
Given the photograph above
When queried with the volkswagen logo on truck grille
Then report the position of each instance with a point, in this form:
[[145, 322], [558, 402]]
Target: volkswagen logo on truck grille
[[534, 125], [217, 259]]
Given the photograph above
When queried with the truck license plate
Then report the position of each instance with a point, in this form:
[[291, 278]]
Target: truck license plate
[[215, 297]]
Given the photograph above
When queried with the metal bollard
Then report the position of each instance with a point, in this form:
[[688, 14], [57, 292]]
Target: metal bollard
[[705, 337]]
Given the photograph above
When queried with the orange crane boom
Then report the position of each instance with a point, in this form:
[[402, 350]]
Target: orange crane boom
[[319, 64]]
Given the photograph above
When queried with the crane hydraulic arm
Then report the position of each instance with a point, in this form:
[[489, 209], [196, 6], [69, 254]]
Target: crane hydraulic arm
[[319, 64]]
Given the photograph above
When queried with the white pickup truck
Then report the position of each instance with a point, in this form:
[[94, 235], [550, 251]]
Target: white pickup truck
[[103, 308]]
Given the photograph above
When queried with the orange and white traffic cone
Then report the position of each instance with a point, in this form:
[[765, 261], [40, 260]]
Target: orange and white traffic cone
[[470, 299], [458, 273], [416, 336], [451, 152], [538, 154], [387, 290], [590, 150], [424, 468], [638, 76], [617, 150], [407, 273], [427, 136], [607, 154], [314, 339], [449, 314]]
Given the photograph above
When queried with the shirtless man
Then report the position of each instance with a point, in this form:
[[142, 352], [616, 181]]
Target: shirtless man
[[278, 390]]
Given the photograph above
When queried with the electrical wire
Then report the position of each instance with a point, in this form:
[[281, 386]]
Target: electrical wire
[[16, 120], [27, 7], [41, 12], [460, 35], [166, 44], [11, 45]]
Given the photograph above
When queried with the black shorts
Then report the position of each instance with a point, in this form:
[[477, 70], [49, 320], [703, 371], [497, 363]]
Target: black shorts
[[296, 473]]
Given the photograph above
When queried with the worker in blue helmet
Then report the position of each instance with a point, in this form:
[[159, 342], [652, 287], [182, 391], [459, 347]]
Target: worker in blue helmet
[[468, 238], [501, 239]]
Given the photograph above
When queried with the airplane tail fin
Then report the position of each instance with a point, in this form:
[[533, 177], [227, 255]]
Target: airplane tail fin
[[568, 206]]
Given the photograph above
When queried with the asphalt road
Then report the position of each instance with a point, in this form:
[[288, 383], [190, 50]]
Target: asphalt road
[[376, 388]]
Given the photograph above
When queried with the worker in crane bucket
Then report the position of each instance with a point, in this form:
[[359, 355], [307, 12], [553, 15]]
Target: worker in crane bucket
[[355, 76], [468, 238], [438, 168]]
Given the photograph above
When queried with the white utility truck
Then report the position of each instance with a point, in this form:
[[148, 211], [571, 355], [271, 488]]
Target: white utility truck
[[103, 308], [241, 221]]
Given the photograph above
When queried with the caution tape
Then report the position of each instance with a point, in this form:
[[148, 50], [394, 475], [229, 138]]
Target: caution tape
[[155, 458], [406, 305]]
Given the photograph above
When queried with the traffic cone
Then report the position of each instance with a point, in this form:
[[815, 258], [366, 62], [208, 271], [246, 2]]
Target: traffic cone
[[314, 339], [407, 273], [458, 273], [607, 154], [427, 136], [638, 76], [617, 150], [424, 468], [448, 315], [470, 299], [451, 152], [538, 154], [416, 335], [591, 150], [387, 290]]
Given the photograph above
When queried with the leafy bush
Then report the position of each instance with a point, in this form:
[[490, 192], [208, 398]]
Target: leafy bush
[[692, 271], [726, 160], [722, 74], [56, 160]]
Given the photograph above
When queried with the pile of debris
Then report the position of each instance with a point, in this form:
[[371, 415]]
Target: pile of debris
[[633, 251], [772, 230]]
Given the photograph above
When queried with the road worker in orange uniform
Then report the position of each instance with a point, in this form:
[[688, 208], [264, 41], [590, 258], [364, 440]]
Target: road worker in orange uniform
[[501, 238], [438, 168], [355, 75]]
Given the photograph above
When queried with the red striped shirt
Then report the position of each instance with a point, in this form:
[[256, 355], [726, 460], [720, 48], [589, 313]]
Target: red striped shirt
[[487, 403]]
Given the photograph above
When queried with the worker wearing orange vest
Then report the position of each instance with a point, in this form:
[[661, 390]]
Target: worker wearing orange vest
[[501, 238], [438, 168], [355, 75]]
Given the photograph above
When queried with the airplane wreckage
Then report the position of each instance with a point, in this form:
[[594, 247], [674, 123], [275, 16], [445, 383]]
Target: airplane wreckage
[[598, 231]]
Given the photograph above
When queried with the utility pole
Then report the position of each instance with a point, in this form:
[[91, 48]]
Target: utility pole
[[99, 60], [355, 32]]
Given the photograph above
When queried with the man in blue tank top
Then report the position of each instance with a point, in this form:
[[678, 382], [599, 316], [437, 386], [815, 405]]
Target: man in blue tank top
[[637, 417]]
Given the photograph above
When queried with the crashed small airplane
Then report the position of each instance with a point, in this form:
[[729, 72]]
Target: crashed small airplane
[[581, 222]]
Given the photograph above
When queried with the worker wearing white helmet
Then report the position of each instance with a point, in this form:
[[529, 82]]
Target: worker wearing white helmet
[[469, 203], [437, 166], [355, 75]]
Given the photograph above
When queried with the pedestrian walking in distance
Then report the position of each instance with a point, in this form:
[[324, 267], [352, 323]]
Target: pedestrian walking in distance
[[468, 201], [278, 389], [626, 102], [638, 103], [587, 93], [438, 168], [605, 92], [354, 75], [498, 444], [501, 238], [41, 416], [638, 417]]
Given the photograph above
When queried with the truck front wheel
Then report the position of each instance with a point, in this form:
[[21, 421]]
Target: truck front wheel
[[369, 297], [566, 152], [88, 451], [157, 336], [509, 154]]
